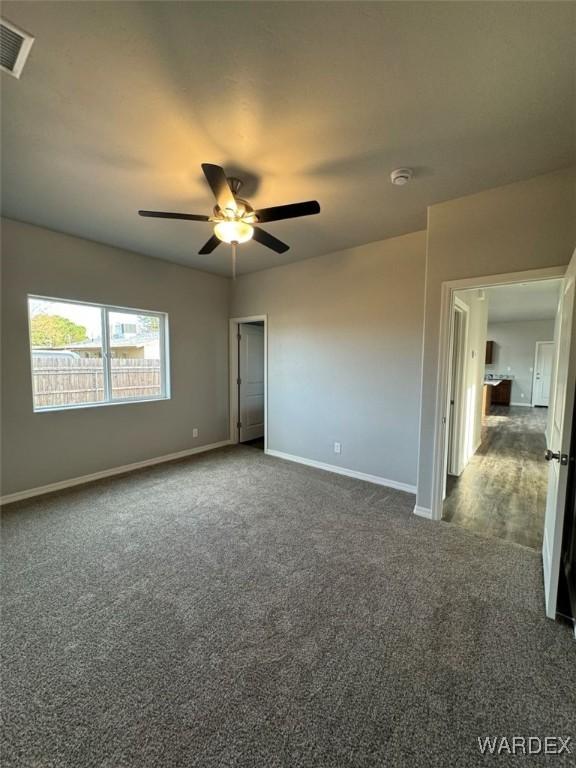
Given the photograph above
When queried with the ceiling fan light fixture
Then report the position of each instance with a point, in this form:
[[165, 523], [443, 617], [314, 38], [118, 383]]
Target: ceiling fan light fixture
[[233, 231], [234, 218]]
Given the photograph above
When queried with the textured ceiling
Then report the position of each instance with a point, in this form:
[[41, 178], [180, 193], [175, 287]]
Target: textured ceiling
[[120, 102], [523, 301]]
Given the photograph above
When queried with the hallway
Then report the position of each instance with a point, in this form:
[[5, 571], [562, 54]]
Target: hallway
[[502, 491]]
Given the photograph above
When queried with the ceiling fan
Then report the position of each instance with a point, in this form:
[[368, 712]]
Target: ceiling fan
[[234, 219]]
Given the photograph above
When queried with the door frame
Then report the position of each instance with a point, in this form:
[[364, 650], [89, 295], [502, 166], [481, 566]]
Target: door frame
[[234, 323], [536, 348], [460, 349], [448, 291]]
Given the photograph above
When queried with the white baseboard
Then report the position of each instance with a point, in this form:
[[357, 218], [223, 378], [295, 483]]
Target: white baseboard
[[524, 405], [40, 490], [423, 512], [343, 471]]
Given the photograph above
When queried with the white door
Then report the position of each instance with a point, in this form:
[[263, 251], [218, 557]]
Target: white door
[[457, 406], [559, 429], [543, 364], [251, 381], [454, 393]]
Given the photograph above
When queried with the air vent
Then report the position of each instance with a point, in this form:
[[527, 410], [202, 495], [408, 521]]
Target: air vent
[[15, 46]]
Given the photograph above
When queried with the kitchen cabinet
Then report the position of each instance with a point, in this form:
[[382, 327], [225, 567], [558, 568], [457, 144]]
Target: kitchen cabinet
[[489, 352], [500, 394]]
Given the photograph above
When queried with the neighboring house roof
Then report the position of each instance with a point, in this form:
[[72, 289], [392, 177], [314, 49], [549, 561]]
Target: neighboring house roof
[[138, 340], [59, 353]]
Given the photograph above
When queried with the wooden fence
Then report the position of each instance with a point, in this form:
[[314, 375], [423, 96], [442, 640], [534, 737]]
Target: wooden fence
[[72, 382]]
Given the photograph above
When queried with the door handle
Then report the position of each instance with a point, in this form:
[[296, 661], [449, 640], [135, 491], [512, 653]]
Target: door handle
[[561, 457]]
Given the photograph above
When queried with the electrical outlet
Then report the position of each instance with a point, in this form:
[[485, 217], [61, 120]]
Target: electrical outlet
[[337, 447], [194, 432]]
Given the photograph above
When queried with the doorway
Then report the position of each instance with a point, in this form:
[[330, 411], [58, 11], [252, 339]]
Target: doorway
[[496, 480], [559, 417], [248, 381], [543, 363]]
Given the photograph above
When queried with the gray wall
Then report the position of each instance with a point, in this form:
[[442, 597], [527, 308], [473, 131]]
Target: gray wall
[[515, 349], [345, 337], [42, 448], [527, 225]]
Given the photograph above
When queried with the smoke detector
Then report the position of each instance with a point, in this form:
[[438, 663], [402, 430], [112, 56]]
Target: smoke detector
[[15, 46], [401, 176]]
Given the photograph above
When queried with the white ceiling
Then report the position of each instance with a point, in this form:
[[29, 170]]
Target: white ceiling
[[120, 102], [523, 301]]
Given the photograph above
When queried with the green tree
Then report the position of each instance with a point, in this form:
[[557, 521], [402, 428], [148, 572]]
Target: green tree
[[55, 331]]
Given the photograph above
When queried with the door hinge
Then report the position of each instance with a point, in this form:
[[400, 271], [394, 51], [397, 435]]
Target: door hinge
[[238, 381], [239, 336], [238, 425]]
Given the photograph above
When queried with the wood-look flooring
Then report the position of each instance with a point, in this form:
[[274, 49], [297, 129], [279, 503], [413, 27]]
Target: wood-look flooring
[[502, 491]]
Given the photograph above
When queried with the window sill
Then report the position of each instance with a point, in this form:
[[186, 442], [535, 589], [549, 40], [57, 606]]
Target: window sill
[[83, 406]]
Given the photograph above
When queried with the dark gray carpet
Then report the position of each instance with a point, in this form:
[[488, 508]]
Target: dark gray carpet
[[238, 610]]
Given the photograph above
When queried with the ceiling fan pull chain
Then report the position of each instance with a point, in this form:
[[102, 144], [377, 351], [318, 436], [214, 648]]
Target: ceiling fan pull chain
[[234, 260]]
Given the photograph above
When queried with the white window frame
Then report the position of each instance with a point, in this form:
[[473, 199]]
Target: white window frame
[[105, 309]]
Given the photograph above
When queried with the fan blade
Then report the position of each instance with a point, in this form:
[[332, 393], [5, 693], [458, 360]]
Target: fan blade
[[219, 185], [166, 215], [210, 245], [292, 211], [265, 238]]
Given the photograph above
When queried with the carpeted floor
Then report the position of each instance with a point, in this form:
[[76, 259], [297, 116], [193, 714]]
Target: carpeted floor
[[235, 610]]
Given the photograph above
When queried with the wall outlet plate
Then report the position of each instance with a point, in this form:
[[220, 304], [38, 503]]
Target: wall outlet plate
[[194, 432], [337, 447]]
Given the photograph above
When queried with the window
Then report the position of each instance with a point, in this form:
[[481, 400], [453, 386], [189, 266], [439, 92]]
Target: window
[[89, 354]]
